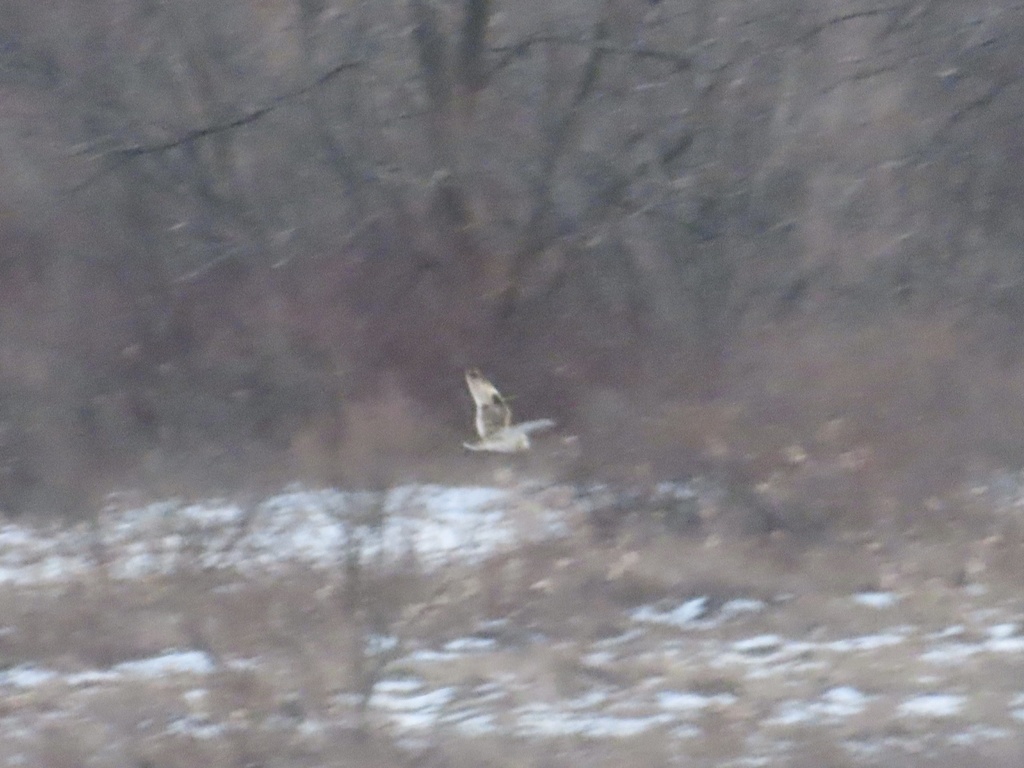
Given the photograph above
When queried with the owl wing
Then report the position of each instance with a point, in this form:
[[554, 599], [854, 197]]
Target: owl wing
[[492, 410], [526, 427]]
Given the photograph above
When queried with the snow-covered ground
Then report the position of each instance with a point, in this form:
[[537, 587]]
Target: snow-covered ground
[[890, 677], [315, 528]]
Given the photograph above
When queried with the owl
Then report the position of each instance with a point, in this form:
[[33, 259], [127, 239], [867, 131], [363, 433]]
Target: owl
[[494, 419]]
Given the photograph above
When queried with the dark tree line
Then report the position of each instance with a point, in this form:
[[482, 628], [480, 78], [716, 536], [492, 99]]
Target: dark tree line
[[275, 198]]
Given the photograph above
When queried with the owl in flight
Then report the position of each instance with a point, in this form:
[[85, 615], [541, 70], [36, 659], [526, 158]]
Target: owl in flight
[[494, 419]]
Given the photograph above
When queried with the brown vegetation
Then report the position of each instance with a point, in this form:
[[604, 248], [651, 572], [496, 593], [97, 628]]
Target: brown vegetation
[[292, 657]]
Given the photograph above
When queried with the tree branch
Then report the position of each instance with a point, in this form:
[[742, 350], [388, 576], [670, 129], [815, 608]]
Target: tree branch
[[678, 61], [122, 155]]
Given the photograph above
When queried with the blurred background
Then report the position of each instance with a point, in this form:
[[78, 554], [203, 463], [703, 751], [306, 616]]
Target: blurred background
[[245, 242]]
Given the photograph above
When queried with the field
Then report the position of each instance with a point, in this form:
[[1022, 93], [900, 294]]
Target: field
[[514, 624]]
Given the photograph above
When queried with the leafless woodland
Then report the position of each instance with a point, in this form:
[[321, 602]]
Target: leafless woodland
[[249, 240]]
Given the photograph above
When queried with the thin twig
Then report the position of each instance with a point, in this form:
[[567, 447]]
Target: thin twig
[[122, 155], [678, 60]]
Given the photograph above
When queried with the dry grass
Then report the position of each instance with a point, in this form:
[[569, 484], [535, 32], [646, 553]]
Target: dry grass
[[293, 677]]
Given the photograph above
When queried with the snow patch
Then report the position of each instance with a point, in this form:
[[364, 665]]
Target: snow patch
[[877, 600], [932, 705]]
